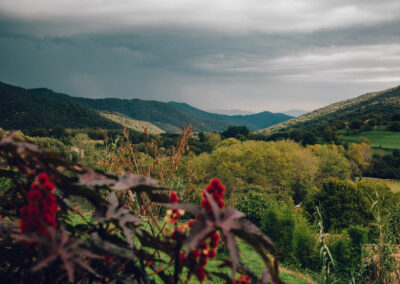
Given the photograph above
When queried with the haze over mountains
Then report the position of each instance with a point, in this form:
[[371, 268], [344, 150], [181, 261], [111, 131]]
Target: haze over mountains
[[35, 108]]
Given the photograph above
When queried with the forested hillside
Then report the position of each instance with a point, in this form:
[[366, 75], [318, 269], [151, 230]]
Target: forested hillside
[[167, 116], [19, 109], [384, 104]]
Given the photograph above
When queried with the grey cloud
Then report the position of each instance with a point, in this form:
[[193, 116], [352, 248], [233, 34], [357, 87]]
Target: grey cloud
[[310, 54]]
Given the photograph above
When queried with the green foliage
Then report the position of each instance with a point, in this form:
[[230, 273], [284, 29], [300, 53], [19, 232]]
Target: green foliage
[[235, 131], [252, 203], [332, 162], [394, 126], [292, 234], [341, 203], [305, 247], [358, 238], [278, 223]]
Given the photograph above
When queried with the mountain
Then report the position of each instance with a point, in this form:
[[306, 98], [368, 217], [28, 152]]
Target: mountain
[[252, 121], [19, 109], [230, 111], [294, 112], [43, 108], [384, 103], [167, 116]]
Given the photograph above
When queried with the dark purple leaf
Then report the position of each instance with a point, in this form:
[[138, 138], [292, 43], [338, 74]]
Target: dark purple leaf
[[93, 178], [115, 211], [133, 181]]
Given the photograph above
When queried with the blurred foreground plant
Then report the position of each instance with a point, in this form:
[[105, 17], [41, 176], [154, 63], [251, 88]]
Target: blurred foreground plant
[[113, 244]]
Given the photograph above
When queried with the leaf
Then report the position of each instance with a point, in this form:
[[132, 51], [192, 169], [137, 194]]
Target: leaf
[[112, 248], [93, 178], [200, 229], [116, 212], [137, 183], [67, 250]]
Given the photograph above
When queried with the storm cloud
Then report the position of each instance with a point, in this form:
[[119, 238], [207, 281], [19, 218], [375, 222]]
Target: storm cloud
[[250, 55]]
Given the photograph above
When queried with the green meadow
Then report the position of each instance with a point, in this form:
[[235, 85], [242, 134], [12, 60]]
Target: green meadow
[[380, 139]]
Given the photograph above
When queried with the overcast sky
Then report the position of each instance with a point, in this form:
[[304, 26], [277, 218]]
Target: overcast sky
[[228, 54]]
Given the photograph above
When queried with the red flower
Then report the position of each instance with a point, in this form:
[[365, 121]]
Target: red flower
[[35, 186], [212, 254], [203, 259], [42, 178], [200, 273], [181, 257], [36, 217], [173, 197], [191, 222], [34, 195], [48, 186], [194, 254]]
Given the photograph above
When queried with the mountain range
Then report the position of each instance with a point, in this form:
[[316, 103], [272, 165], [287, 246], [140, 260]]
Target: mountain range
[[43, 108]]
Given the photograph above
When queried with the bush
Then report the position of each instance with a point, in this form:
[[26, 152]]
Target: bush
[[358, 237], [278, 223], [305, 247], [341, 203], [339, 246], [394, 126], [252, 203]]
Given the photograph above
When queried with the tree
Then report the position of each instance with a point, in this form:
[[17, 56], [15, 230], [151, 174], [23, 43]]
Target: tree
[[341, 204], [234, 131], [58, 131]]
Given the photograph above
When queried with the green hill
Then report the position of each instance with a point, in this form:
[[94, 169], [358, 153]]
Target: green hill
[[19, 109], [384, 103], [128, 122]]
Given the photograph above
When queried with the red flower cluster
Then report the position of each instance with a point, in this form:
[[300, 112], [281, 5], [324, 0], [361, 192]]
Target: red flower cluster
[[201, 254], [41, 209], [217, 191], [173, 215], [206, 248]]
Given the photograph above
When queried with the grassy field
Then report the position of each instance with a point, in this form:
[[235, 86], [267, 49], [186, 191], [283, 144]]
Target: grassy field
[[393, 184], [380, 139], [255, 263]]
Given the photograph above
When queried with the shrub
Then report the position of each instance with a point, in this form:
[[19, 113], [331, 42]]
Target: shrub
[[342, 204], [305, 247], [358, 237], [252, 203], [278, 223]]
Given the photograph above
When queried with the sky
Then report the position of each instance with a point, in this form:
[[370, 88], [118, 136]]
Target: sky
[[251, 55]]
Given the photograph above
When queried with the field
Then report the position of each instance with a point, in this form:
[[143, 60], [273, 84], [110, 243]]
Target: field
[[380, 139], [393, 184], [255, 263]]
